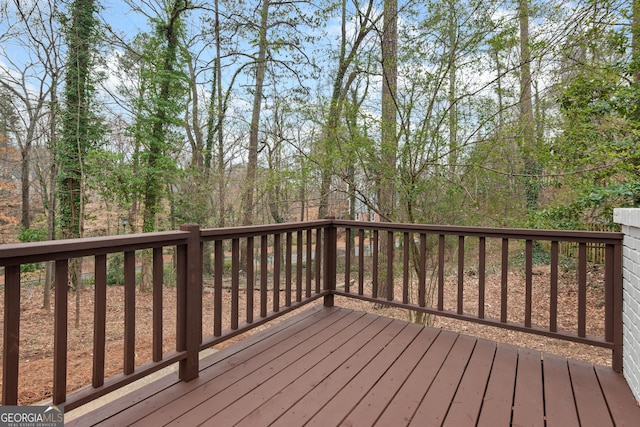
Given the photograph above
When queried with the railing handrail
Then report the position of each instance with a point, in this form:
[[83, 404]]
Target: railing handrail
[[260, 230], [490, 232], [17, 253], [23, 253]]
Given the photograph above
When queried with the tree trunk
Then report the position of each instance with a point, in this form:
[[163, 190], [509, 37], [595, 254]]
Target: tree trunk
[[453, 112], [25, 183], [219, 128], [51, 214], [389, 142], [261, 67], [527, 120]]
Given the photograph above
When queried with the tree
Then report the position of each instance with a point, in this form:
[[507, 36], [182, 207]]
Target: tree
[[389, 139], [276, 34], [252, 163], [80, 130], [31, 80], [527, 120], [347, 70], [165, 91], [160, 109], [31, 83], [80, 127], [595, 154], [217, 112]]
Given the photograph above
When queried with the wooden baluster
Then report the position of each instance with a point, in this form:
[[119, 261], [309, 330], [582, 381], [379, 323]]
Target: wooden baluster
[[390, 253], [528, 282], [158, 281], [361, 261], [318, 260], [482, 272], [374, 267], [288, 267], [441, 248], [11, 338], [553, 297], [299, 262], [264, 264], [308, 265], [60, 332], [99, 320], [129, 312], [277, 253], [250, 278], [218, 270], [460, 308], [422, 279], [504, 280], [348, 247], [582, 289], [405, 267], [235, 282]]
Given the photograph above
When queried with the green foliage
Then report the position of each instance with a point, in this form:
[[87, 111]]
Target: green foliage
[[32, 234], [115, 269], [169, 275], [541, 256], [599, 147], [113, 176], [594, 204]]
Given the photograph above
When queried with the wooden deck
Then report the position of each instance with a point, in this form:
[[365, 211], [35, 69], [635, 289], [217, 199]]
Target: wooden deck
[[333, 366]]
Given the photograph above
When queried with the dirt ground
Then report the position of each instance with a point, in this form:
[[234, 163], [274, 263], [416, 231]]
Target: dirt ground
[[36, 333]]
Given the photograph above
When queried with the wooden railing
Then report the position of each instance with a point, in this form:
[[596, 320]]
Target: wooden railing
[[263, 272], [423, 251], [62, 252]]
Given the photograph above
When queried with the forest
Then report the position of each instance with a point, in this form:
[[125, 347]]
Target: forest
[[122, 116]]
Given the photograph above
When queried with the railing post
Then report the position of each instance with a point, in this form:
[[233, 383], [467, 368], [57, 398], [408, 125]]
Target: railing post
[[330, 255], [190, 302], [616, 362], [11, 347]]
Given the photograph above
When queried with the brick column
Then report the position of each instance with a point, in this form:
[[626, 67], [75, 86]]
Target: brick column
[[630, 220]]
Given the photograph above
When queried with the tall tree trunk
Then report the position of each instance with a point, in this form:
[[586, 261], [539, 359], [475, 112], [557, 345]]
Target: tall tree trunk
[[389, 141], [158, 144], [261, 67], [25, 221], [496, 53], [51, 213], [78, 135], [219, 128], [215, 131], [194, 131], [453, 111], [527, 120]]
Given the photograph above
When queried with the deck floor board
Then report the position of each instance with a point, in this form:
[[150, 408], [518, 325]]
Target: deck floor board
[[334, 366], [559, 402], [528, 401]]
